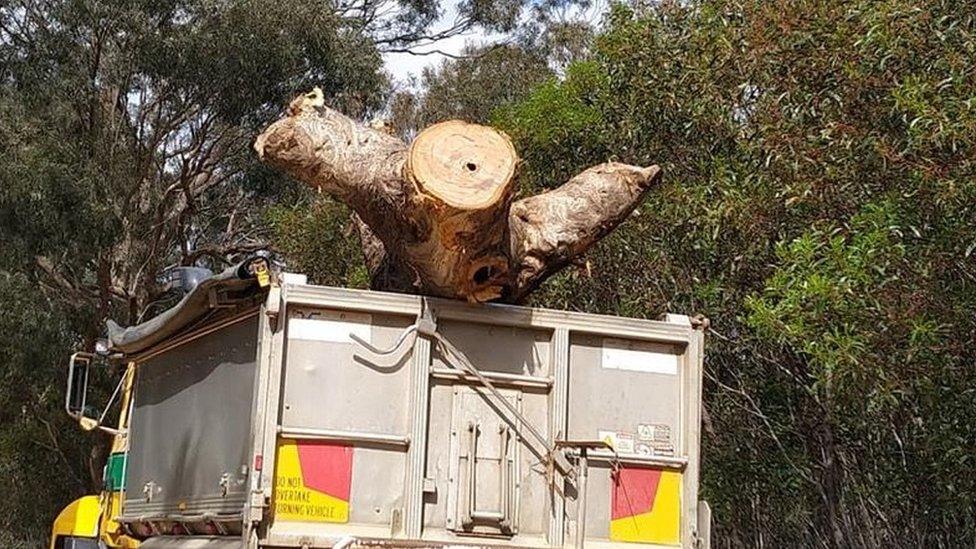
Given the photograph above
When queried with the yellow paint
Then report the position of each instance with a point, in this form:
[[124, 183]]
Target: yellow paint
[[111, 531], [662, 524], [93, 516], [79, 519], [264, 277], [292, 500], [120, 442]]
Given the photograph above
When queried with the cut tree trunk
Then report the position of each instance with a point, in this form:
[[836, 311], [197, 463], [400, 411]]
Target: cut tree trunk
[[437, 217]]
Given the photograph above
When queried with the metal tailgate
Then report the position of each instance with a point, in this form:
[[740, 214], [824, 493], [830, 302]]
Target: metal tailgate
[[413, 447], [190, 428]]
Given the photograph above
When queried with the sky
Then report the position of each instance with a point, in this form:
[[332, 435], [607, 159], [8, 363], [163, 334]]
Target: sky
[[403, 66]]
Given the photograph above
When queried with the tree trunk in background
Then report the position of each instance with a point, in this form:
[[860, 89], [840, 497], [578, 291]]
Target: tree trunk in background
[[437, 217]]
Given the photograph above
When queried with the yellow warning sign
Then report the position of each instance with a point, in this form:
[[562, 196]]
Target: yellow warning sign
[[312, 481]]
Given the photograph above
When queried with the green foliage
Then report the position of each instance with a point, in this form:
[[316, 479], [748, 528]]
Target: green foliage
[[470, 88], [818, 206], [125, 132], [559, 118], [319, 240], [45, 457]]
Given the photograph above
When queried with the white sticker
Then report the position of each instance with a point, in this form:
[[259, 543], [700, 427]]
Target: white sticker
[[330, 326], [622, 354], [621, 442]]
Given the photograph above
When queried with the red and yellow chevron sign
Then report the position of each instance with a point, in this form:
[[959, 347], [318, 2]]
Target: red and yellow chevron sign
[[646, 506], [312, 481]]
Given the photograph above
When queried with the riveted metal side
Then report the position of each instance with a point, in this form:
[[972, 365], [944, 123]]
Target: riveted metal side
[[417, 454], [557, 429]]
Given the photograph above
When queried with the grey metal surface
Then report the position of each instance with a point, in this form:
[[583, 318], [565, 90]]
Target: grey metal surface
[[483, 479], [574, 376], [414, 492], [377, 486], [331, 387], [605, 399], [502, 349], [328, 385], [508, 351], [619, 400], [190, 427]]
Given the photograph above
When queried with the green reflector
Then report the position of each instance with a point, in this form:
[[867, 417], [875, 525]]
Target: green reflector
[[114, 470]]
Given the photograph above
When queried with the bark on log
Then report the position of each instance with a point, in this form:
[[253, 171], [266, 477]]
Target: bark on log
[[438, 217]]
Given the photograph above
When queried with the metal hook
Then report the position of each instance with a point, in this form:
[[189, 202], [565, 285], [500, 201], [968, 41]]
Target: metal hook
[[426, 324], [385, 352]]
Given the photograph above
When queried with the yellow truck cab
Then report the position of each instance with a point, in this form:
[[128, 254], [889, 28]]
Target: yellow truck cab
[[262, 411]]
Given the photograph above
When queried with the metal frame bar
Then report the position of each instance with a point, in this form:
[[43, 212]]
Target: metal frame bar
[[664, 462], [413, 511], [501, 315], [498, 378], [267, 444], [336, 435], [255, 504], [558, 412], [691, 443]]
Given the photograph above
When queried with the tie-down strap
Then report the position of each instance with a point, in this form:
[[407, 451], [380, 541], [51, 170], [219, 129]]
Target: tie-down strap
[[426, 326]]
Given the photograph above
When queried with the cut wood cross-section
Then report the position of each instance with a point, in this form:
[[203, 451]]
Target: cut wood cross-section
[[438, 217]]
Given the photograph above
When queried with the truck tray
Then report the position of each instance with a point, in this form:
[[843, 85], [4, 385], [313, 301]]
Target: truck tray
[[335, 417]]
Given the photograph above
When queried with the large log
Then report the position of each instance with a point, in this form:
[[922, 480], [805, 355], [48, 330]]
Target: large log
[[438, 217]]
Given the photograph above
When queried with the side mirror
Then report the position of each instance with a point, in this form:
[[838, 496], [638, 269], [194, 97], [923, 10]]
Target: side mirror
[[76, 395], [77, 391]]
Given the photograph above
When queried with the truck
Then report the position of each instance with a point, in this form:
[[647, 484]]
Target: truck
[[263, 411]]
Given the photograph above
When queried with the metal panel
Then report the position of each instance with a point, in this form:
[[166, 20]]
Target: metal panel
[[518, 359], [575, 376], [631, 393], [333, 389], [330, 384], [377, 486], [504, 349], [484, 465], [190, 426], [604, 398]]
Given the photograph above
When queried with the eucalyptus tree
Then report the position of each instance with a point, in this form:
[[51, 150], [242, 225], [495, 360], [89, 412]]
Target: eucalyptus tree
[[125, 147]]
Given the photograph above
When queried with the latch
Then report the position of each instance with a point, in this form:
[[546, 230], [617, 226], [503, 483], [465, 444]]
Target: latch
[[225, 480], [150, 489], [502, 515]]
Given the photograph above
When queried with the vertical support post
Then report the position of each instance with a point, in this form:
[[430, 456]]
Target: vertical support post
[[691, 444], [581, 488], [557, 428], [254, 506], [272, 350], [413, 515]]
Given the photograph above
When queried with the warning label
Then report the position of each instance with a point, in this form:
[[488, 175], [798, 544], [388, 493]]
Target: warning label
[[650, 439], [312, 482]]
